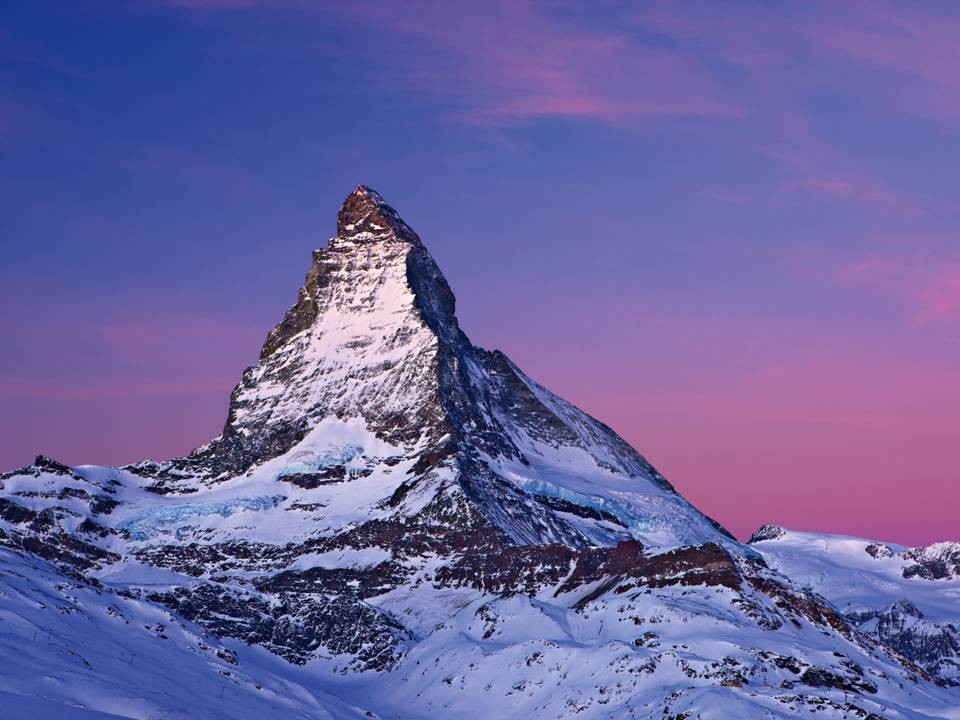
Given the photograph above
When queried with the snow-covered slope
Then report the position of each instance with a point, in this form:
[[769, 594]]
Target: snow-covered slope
[[72, 649], [396, 520], [909, 598]]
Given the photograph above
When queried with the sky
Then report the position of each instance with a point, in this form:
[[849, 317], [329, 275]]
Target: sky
[[731, 231]]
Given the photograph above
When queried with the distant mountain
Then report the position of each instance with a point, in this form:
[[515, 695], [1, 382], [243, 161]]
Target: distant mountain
[[907, 598], [395, 523]]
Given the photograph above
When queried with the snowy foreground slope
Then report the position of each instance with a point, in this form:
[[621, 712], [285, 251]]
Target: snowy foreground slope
[[395, 523]]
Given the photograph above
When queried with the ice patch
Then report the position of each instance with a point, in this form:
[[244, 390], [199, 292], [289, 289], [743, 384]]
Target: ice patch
[[146, 525], [624, 512], [308, 461]]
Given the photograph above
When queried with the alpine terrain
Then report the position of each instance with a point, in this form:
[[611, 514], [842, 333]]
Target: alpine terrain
[[395, 523]]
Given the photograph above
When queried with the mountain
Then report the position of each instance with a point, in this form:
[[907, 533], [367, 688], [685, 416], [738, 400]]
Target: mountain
[[397, 523], [907, 598], [373, 344]]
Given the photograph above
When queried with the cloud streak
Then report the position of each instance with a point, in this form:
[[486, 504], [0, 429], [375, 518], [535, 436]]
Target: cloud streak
[[929, 286], [507, 62]]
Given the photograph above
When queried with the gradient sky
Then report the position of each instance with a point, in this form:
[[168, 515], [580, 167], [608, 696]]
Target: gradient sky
[[728, 230]]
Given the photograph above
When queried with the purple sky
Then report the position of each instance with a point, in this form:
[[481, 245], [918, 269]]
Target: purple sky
[[728, 230]]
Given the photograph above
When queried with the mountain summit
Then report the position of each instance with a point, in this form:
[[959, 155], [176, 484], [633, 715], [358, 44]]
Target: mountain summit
[[365, 212], [420, 531]]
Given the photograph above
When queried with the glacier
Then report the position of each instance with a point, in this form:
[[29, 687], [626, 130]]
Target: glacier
[[147, 524]]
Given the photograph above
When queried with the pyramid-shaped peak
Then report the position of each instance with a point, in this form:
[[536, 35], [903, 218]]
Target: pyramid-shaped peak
[[365, 215]]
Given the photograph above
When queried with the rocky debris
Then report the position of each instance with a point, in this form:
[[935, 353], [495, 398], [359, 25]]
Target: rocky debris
[[294, 625], [709, 565], [819, 677], [67, 550], [199, 559]]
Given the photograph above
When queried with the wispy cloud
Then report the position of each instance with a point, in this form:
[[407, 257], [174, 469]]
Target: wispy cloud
[[504, 62], [510, 61], [912, 45], [929, 285], [907, 41], [939, 298], [817, 168]]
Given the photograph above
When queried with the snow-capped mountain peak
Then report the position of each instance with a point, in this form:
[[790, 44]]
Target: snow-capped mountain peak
[[374, 337]]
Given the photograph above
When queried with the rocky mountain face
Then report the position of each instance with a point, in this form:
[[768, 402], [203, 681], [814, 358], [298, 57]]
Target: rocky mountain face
[[903, 627], [397, 523]]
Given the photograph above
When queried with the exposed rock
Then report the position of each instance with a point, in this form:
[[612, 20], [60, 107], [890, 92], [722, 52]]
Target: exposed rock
[[766, 532]]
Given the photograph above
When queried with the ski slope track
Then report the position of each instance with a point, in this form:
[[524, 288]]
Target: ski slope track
[[395, 523]]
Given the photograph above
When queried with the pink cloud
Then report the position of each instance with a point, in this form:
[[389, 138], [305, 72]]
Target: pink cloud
[[906, 41], [505, 62], [939, 298], [930, 286], [912, 45], [816, 167], [862, 190]]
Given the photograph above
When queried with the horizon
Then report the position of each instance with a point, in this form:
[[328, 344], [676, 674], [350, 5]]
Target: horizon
[[745, 262]]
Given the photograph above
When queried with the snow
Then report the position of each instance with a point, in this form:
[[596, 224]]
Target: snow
[[95, 655], [840, 568], [149, 523], [653, 516], [358, 558]]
